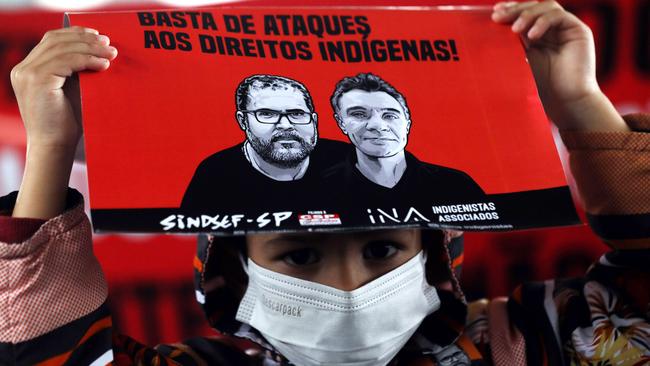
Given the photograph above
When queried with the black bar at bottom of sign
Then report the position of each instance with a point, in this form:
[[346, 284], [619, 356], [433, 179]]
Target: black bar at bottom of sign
[[516, 211]]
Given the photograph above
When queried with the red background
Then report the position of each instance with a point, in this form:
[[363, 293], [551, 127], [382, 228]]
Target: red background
[[150, 276], [155, 114]]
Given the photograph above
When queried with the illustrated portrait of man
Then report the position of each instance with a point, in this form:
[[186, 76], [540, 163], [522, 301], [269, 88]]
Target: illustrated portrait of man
[[279, 156], [376, 118]]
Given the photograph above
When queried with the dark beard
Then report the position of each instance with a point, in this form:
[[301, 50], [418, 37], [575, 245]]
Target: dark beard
[[281, 157]]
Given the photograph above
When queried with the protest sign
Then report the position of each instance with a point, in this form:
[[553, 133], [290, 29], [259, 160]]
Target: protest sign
[[235, 120]]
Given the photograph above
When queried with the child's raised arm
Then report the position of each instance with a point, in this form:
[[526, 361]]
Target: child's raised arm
[[52, 125], [560, 49]]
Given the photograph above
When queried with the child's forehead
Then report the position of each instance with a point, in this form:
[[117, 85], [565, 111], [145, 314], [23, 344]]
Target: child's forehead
[[310, 237]]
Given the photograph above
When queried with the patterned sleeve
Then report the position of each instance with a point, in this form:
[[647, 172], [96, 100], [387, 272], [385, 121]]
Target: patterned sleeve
[[53, 292], [601, 318], [493, 332], [612, 172], [53, 308]]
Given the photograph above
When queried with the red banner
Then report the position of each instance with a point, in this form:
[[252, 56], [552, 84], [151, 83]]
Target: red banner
[[467, 126]]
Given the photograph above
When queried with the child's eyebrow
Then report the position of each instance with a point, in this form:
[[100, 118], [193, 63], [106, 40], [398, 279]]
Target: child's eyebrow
[[312, 238], [293, 239]]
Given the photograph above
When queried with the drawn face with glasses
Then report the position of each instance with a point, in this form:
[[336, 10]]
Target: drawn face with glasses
[[279, 125]]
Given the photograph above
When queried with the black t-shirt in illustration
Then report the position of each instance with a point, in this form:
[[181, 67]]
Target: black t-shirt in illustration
[[422, 184], [226, 183]]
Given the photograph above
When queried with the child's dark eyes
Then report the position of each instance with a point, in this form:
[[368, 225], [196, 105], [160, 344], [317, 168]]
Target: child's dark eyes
[[379, 250], [375, 251], [301, 257]]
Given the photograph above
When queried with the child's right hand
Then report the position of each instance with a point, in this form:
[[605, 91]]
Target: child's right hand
[[39, 79]]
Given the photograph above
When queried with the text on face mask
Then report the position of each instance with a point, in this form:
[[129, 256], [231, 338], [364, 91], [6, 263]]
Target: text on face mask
[[282, 309]]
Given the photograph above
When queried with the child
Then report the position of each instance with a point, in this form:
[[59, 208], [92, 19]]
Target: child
[[53, 292]]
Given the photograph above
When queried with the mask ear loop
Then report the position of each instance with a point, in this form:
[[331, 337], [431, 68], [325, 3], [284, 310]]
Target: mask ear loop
[[244, 263]]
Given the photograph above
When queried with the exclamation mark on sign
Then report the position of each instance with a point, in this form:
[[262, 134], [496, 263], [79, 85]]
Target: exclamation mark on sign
[[454, 51]]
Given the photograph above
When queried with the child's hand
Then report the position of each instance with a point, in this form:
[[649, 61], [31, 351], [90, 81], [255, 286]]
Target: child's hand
[[39, 79], [561, 53]]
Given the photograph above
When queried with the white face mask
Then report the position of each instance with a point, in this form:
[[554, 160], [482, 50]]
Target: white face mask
[[314, 324]]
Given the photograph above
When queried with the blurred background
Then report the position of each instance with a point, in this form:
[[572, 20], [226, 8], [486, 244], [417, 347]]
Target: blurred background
[[150, 276]]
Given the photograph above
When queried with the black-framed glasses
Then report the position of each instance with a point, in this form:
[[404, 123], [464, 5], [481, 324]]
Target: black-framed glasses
[[271, 116]]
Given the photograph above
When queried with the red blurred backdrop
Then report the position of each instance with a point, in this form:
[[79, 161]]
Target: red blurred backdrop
[[150, 276]]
